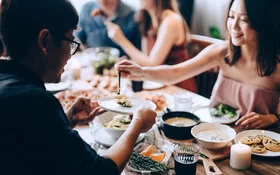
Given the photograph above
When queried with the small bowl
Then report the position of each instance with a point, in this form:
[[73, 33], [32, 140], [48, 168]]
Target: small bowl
[[106, 117], [213, 135], [178, 132]]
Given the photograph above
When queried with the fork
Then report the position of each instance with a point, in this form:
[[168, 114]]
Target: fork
[[119, 78]]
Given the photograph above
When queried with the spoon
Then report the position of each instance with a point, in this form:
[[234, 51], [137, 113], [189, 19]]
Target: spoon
[[119, 78]]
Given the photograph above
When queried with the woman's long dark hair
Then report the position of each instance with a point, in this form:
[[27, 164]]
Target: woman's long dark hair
[[264, 18], [144, 19]]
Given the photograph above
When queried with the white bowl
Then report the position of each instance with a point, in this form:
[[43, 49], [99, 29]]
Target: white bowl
[[106, 117], [213, 135]]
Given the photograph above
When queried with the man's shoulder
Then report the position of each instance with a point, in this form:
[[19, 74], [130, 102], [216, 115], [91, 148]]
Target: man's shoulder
[[125, 10], [88, 7]]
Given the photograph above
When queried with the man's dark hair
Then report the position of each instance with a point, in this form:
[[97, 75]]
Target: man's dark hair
[[264, 18], [22, 20]]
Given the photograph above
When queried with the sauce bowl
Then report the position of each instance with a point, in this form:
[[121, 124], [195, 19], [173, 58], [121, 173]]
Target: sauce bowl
[[179, 132]]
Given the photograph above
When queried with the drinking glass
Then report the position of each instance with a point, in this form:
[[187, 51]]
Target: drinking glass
[[183, 102], [186, 157]]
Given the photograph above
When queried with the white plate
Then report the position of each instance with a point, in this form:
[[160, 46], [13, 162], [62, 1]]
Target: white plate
[[102, 137], [56, 87], [271, 134], [205, 116], [149, 85], [109, 104]]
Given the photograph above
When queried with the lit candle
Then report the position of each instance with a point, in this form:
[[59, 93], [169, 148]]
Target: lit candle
[[240, 156]]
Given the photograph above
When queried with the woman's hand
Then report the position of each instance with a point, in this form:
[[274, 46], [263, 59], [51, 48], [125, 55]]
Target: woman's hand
[[254, 120], [82, 111], [130, 70], [114, 32]]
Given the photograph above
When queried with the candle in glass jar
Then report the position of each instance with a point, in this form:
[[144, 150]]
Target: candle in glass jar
[[240, 156]]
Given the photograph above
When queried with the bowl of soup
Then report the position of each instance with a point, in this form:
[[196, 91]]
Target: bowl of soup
[[213, 135], [178, 125]]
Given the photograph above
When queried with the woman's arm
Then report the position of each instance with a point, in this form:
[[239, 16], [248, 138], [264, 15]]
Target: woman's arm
[[208, 58], [167, 36]]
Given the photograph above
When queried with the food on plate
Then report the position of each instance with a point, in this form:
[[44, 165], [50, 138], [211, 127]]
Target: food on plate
[[258, 148], [119, 122], [261, 143], [252, 140], [158, 99], [180, 121], [123, 100], [223, 109], [66, 98], [149, 152], [271, 144], [212, 135], [143, 163]]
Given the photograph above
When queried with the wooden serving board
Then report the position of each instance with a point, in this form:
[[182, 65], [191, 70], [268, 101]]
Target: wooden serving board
[[218, 154]]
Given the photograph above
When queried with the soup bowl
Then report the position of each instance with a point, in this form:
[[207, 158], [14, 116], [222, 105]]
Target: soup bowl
[[213, 135], [178, 125]]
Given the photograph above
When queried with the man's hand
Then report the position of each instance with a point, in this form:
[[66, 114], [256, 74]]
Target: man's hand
[[83, 111], [144, 119]]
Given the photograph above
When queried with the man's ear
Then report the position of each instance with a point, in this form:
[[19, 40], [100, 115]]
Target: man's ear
[[44, 39]]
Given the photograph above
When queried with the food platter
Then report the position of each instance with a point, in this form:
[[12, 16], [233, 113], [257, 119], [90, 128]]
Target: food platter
[[109, 104], [270, 134], [149, 166], [205, 116]]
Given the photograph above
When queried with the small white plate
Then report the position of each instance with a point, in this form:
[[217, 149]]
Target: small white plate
[[104, 138], [271, 134], [56, 87], [150, 85], [109, 104], [205, 116]]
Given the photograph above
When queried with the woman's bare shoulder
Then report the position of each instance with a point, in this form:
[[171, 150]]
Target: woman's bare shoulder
[[218, 50]]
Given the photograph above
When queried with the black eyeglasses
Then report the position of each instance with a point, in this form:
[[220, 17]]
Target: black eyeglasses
[[74, 45]]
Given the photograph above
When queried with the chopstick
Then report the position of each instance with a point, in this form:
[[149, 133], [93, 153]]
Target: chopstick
[[119, 78]]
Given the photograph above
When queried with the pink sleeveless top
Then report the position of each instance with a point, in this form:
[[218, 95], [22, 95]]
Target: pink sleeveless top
[[244, 97]]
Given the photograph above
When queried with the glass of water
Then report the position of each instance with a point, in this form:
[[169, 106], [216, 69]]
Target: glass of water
[[186, 157]]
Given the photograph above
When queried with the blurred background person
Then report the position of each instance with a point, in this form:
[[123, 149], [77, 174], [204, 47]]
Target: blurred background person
[[165, 35], [92, 31], [249, 69]]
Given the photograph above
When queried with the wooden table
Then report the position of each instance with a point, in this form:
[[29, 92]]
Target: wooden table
[[260, 165]]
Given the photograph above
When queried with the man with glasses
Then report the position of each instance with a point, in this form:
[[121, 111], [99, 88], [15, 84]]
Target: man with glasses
[[35, 134]]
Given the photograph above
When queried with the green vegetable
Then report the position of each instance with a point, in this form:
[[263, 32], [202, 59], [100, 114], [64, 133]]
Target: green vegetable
[[106, 61], [142, 163], [222, 109]]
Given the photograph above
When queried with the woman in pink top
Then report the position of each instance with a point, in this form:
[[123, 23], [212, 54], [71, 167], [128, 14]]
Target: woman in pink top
[[164, 37], [249, 77]]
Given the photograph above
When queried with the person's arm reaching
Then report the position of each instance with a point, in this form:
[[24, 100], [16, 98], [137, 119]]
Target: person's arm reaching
[[208, 58]]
